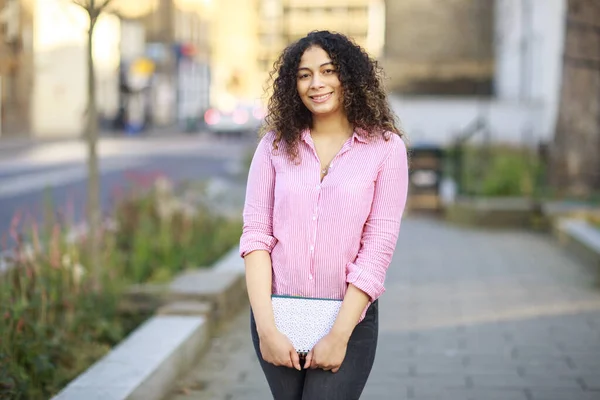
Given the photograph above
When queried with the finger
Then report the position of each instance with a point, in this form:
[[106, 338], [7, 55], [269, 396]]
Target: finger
[[308, 360], [313, 363], [336, 369], [277, 362], [295, 358]]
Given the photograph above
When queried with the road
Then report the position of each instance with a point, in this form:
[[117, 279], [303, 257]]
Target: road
[[57, 171]]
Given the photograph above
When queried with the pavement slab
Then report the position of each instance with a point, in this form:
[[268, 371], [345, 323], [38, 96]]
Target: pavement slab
[[468, 314]]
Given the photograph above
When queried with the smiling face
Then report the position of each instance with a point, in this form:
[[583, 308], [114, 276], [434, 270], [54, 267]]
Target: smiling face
[[318, 83]]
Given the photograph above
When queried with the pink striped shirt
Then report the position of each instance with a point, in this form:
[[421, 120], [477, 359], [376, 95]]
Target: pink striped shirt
[[323, 235]]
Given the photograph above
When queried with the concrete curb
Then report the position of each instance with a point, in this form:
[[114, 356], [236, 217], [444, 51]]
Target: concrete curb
[[580, 239], [148, 362], [502, 213], [144, 365]]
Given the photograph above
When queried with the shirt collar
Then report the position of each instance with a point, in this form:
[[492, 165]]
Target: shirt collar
[[306, 135], [358, 134]]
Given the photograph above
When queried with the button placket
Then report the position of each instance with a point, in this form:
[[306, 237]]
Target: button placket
[[314, 235]]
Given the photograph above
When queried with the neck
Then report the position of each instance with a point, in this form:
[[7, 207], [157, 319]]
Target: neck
[[331, 126]]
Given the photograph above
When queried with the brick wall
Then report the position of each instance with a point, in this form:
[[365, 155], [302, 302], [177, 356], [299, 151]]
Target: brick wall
[[576, 149], [445, 44]]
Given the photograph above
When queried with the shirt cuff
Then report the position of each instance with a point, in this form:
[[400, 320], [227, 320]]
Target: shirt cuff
[[363, 280], [265, 242]]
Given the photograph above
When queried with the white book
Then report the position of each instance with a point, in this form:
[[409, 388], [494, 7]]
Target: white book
[[304, 320]]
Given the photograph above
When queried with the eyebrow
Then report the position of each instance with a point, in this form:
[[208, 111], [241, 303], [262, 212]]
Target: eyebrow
[[320, 66]]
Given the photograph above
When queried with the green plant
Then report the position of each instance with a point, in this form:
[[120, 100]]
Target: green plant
[[56, 319], [498, 171], [508, 175], [162, 232]]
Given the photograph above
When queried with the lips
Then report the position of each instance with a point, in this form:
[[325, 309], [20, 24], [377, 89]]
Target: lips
[[321, 98]]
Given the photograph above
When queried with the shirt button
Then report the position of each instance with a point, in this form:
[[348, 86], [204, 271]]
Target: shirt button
[[312, 248], [318, 187], [310, 277], [314, 217]]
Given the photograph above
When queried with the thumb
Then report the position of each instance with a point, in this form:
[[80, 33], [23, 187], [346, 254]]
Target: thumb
[[308, 360], [295, 359]]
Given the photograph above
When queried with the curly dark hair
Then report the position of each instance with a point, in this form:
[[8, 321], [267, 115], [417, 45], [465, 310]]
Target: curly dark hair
[[364, 103]]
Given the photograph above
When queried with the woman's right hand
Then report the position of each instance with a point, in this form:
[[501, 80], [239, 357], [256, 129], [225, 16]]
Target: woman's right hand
[[278, 350]]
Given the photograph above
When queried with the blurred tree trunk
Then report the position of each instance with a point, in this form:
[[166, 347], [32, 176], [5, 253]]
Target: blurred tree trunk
[[94, 213], [575, 152]]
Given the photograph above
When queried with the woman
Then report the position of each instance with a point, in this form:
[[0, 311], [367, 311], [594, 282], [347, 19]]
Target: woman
[[326, 191]]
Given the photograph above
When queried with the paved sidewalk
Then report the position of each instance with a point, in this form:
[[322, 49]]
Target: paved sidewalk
[[14, 145], [468, 315]]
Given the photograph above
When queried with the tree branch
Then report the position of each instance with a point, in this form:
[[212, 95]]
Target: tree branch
[[82, 4], [103, 6], [96, 10]]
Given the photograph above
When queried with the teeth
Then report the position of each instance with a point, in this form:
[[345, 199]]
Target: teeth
[[320, 97]]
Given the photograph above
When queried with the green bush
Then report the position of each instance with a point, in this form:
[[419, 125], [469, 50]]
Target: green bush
[[164, 232], [509, 175], [55, 321], [498, 171]]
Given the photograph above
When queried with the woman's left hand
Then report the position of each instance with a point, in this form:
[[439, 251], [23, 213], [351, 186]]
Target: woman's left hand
[[328, 353]]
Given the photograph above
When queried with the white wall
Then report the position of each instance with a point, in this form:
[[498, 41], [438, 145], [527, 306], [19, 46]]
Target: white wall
[[529, 47], [438, 120], [529, 42], [59, 97]]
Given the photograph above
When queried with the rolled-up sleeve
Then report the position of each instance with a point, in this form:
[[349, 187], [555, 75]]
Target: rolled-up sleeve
[[382, 227], [257, 233]]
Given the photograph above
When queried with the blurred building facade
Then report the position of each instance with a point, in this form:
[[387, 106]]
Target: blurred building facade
[[505, 78], [575, 151], [58, 91], [528, 52], [165, 61], [152, 64], [285, 21], [439, 47], [16, 66], [165, 69], [234, 53]]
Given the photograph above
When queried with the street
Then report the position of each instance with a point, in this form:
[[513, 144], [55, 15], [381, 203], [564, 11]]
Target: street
[[29, 174]]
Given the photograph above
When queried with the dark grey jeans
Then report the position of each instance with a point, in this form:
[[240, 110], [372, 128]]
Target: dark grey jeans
[[317, 384]]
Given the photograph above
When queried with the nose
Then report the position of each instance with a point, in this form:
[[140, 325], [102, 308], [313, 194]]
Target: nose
[[316, 82]]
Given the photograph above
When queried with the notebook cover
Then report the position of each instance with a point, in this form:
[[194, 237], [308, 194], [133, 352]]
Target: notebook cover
[[304, 320]]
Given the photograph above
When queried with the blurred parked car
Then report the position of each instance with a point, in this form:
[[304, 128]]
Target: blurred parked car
[[242, 120]]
